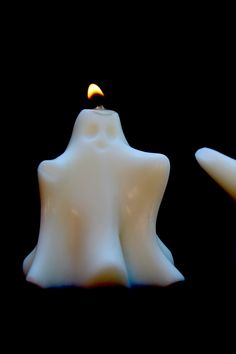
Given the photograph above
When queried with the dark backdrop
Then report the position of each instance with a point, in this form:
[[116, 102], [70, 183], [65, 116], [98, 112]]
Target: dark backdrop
[[172, 82]]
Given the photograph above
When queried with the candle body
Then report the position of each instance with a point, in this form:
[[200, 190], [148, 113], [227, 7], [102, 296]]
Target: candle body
[[220, 167], [99, 204]]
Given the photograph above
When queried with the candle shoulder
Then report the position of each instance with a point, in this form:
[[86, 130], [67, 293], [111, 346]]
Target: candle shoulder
[[154, 163], [50, 170]]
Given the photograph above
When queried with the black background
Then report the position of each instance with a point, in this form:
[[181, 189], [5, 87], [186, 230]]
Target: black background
[[171, 77]]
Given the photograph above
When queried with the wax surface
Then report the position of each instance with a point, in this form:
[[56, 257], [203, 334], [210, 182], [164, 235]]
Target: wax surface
[[220, 167], [99, 204]]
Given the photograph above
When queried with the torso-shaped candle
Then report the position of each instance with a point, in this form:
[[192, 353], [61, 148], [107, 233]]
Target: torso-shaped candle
[[99, 204]]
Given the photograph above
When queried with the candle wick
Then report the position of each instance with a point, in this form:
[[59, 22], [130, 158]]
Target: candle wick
[[100, 107]]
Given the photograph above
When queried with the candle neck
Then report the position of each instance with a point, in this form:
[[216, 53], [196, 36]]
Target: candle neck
[[96, 124]]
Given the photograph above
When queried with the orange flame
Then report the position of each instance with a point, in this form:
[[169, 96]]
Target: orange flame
[[94, 89]]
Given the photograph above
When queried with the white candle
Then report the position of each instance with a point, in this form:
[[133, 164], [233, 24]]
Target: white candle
[[99, 204], [220, 167]]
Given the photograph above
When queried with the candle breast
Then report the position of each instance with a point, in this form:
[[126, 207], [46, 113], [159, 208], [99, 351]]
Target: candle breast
[[99, 204]]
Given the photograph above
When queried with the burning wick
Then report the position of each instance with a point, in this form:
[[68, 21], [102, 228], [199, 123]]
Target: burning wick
[[95, 94]]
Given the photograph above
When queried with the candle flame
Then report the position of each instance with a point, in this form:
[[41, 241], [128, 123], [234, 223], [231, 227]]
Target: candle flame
[[94, 89]]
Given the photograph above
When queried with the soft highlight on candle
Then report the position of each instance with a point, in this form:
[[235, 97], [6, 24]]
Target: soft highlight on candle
[[94, 89]]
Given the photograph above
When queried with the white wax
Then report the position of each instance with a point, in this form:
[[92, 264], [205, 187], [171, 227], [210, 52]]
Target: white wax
[[220, 167], [99, 204]]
